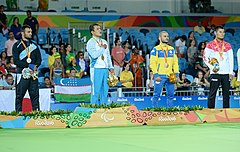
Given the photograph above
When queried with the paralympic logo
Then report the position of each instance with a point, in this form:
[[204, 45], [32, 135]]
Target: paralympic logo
[[105, 118]]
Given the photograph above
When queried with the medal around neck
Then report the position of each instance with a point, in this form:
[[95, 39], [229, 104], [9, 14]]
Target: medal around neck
[[29, 60], [166, 65]]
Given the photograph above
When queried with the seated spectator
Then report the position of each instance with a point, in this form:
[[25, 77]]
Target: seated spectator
[[190, 38], [180, 46], [201, 83], [3, 57], [150, 84], [8, 84], [200, 65], [11, 67], [47, 83], [3, 67], [209, 26], [183, 84], [82, 63], [73, 65], [57, 69], [192, 53], [126, 77], [9, 44], [199, 28], [51, 58], [72, 74]]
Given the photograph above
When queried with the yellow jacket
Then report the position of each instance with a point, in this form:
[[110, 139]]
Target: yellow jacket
[[157, 60]]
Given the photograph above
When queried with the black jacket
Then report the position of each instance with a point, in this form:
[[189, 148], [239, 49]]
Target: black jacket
[[35, 55]]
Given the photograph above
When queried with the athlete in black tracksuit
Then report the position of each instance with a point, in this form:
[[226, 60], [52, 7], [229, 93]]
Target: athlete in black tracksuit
[[20, 59]]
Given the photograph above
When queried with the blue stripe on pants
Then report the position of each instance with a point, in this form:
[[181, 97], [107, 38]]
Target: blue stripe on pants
[[99, 78], [158, 90]]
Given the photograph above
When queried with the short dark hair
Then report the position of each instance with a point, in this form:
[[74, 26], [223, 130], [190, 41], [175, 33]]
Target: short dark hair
[[91, 27], [28, 11], [219, 27], [2, 6], [116, 40], [24, 27], [46, 77], [8, 75]]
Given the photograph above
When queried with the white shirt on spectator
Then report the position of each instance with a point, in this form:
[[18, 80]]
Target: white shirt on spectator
[[8, 46], [181, 45]]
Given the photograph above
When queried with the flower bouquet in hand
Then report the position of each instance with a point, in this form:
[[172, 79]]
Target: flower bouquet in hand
[[214, 62]]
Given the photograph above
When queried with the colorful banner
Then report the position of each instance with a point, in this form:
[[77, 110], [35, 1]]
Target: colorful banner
[[72, 90]]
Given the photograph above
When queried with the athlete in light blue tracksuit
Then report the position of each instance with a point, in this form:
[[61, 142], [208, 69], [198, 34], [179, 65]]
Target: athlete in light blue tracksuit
[[100, 64]]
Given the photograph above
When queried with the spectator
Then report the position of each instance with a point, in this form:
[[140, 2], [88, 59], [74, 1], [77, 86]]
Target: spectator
[[192, 54], [11, 67], [72, 74], [3, 57], [16, 28], [200, 65], [33, 23], [199, 28], [118, 56], [67, 54], [9, 44], [51, 58], [201, 83], [3, 67], [126, 76], [150, 84], [47, 84], [1, 80], [82, 63], [57, 69], [8, 84], [209, 26], [136, 63], [183, 84], [180, 46], [235, 84], [191, 37], [128, 52], [73, 65], [3, 21]]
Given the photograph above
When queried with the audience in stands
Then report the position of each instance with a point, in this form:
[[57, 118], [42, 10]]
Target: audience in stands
[[126, 78], [201, 83], [208, 28], [192, 54], [191, 37], [11, 67], [82, 63], [118, 56], [8, 84], [183, 84], [33, 23], [199, 28], [16, 28], [9, 44], [128, 52], [180, 46], [57, 69], [1, 80], [66, 55], [235, 84], [3, 21], [47, 83], [3, 57], [51, 58], [137, 63], [200, 65], [73, 65]]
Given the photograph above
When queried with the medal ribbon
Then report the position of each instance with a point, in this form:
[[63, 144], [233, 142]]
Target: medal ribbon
[[165, 53], [220, 51], [99, 44], [28, 52]]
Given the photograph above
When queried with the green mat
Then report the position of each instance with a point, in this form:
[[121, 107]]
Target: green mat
[[214, 137]]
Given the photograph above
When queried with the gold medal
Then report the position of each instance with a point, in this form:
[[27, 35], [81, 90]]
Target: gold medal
[[29, 60], [102, 57], [166, 65]]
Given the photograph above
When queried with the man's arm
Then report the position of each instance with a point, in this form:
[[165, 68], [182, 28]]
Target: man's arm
[[93, 51], [153, 61]]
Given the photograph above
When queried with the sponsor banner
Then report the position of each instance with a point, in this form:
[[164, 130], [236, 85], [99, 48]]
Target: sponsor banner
[[143, 102]]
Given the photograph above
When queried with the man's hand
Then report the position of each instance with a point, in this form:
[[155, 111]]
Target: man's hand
[[158, 79], [230, 76], [104, 45], [111, 70]]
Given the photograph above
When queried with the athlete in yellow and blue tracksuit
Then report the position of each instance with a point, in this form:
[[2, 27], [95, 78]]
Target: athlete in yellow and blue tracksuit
[[163, 61]]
